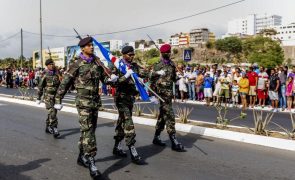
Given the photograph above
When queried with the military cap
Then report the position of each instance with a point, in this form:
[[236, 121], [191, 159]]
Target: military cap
[[166, 48], [83, 42], [127, 49], [48, 61]]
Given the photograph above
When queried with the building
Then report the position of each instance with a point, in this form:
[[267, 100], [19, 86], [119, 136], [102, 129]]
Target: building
[[212, 37], [285, 34], [116, 45], [253, 24], [174, 40], [199, 36]]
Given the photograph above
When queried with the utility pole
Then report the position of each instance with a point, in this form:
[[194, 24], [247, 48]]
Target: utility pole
[[41, 54], [22, 48]]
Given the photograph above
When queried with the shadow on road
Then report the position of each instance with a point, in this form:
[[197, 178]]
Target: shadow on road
[[10, 172], [149, 151]]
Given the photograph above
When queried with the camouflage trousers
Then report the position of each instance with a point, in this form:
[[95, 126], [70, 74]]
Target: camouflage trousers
[[166, 117], [88, 124], [125, 127], [51, 111]]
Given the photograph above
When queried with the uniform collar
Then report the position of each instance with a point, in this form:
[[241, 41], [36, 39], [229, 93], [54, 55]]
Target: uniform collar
[[88, 60]]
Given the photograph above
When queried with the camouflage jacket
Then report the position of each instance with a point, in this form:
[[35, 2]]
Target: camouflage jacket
[[49, 84], [126, 86], [163, 85], [85, 77]]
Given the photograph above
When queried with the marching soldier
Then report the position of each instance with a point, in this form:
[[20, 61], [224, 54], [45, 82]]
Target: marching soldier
[[124, 100], [49, 85], [85, 75], [162, 79]]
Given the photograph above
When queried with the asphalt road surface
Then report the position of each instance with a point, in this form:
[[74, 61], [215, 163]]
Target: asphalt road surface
[[26, 153]]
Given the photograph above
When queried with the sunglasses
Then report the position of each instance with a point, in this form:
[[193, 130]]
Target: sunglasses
[[131, 54]]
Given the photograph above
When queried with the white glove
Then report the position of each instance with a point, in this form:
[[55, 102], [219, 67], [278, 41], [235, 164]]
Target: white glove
[[154, 100], [113, 78], [38, 102], [161, 72], [128, 73], [58, 106]]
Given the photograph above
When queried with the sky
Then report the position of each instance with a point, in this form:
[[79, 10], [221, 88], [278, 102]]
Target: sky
[[103, 16]]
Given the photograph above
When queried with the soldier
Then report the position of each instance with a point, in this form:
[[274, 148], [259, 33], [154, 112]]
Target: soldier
[[162, 78], [85, 75], [124, 99], [49, 85]]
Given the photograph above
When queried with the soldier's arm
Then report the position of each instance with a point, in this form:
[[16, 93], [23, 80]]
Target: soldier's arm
[[66, 82], [41, 87]]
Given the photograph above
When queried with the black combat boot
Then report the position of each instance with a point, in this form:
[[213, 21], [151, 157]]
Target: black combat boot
[[48, 130], [134, 156], [157, 140], [118, 151], [55, 132], [82, 160], [176, 146], [94, 172]]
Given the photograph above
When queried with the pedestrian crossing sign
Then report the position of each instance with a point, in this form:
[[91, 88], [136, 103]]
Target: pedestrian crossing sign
[[187, 55]]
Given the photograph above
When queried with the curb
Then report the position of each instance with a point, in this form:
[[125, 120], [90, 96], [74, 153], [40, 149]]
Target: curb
[[210, 132]]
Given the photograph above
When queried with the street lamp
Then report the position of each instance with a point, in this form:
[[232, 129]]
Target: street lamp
[[41, 55]]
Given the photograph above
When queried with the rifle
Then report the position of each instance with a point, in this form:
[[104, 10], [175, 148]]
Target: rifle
[[97, 61]]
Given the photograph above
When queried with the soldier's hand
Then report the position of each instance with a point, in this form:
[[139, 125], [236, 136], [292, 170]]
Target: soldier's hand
[[113, 78], [38, 102], [128, 73], [161, 72], [154, 100], [58, 106]]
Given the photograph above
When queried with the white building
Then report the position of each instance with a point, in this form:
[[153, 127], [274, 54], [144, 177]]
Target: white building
[[285, 34], [253, 24], [131, 44], [174, 40], [116, 45]]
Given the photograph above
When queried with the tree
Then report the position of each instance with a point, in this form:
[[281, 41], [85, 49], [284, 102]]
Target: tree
[[152, 53], [152, 61], [230, 45], [210, 45], [264, 51]]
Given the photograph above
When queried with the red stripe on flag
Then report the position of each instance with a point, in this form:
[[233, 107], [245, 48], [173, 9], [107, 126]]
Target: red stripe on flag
[[113, 59]]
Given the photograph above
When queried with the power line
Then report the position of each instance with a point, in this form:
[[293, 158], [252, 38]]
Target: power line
[[10, 37], [148, 26]]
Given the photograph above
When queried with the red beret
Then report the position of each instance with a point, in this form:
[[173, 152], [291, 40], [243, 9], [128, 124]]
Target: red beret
[[166, 48]]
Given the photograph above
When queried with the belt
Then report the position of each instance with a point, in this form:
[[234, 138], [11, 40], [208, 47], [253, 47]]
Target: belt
[[86, 92]]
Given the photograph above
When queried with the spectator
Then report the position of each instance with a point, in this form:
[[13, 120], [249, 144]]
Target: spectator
[[282, 91], [289, 91], [244, 90], [182, 85], [261, 87], [217, 87], [235, 93], [224, 92], [199, 85], [208, 83], [253, 79], [274, 83], [191, 75], [31, 79]]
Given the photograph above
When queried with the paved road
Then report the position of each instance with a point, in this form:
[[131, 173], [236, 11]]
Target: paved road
[[199, 113], [26, 153]]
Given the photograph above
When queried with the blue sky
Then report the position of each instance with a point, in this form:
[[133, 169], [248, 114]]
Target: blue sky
[[101, 16]]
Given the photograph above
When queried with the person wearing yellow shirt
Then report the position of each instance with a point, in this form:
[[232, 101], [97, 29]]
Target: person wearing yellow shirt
[[244, 90]]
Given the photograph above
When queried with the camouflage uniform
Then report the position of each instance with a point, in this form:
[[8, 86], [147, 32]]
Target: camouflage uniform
[[124, 100], [49, 84], [163, 86], [85, 77]]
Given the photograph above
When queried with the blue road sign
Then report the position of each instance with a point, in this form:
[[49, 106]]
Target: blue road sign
[[187, 55]]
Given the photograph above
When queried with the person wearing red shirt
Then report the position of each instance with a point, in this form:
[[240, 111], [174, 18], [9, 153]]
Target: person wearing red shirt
[[31, 79], [253, 79]]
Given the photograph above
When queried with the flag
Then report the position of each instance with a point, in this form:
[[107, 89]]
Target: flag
[[119, 64]]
